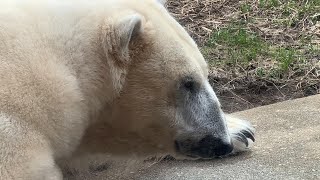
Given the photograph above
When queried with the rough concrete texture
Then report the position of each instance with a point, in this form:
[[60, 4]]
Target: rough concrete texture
[[287, 147]]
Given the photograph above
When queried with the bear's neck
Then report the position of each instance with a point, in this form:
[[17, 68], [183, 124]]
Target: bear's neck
[[88, 63], [77, 43]]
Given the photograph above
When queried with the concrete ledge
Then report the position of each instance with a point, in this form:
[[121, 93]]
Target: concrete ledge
[[287, 147]]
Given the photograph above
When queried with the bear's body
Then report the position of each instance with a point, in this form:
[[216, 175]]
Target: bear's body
[[63, 63]]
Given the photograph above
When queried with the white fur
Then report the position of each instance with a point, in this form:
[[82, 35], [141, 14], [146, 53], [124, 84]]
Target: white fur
[[71, 68], [235, 126], [162, 1]]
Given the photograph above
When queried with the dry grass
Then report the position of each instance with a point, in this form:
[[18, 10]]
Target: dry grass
[[276, 56]]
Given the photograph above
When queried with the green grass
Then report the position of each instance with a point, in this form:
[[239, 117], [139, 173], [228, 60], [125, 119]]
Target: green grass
[[293, 11], [241, 46], [268, 3], [245, 8], [285, 57], [236, 45]]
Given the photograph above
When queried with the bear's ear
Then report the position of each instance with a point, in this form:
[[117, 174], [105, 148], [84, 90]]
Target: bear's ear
[[129, 27]]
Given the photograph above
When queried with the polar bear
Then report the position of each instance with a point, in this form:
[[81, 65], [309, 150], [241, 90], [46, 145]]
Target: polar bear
[[68, 65]]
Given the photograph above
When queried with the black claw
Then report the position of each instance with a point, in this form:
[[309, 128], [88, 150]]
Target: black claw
[[250, 131], [241, 137], [249, 134]]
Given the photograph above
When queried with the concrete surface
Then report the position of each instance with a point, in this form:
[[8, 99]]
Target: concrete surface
[[287, 147]]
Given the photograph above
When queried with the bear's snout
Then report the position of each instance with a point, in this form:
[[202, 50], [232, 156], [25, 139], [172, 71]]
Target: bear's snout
[[207, 147]]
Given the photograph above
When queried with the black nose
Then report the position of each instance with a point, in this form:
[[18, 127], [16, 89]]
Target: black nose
[[223, 149], [210, 146]]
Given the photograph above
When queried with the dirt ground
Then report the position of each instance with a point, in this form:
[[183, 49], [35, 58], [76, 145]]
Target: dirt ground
[[241, 91]]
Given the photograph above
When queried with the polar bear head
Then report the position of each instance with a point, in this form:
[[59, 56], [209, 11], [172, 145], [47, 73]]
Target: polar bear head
[[164, 96]]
